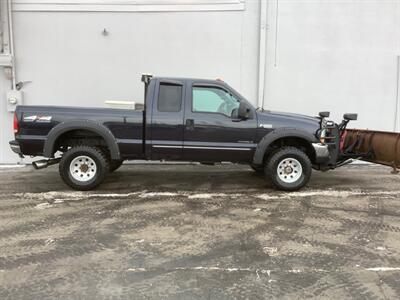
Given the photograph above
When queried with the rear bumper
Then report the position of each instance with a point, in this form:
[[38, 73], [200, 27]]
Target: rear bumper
[[322, 154], [14, 145]]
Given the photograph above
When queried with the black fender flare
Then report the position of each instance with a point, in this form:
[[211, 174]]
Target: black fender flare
[[64, 127], [279, 133]]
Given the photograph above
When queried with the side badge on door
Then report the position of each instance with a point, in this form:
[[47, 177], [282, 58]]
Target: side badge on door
[[265, 126]]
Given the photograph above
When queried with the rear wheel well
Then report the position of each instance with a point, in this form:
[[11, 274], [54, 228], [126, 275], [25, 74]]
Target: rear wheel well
[[78, 137], [296, 142]]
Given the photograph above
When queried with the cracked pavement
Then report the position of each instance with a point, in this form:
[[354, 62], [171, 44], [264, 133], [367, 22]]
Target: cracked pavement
[[200, 232]]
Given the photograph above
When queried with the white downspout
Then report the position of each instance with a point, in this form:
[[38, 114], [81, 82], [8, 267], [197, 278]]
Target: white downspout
[[11, 41], [397, 104], [262, 52]]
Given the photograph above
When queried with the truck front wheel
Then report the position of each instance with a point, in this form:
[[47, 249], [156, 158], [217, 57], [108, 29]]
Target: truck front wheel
[[83, 168], [289, 169]]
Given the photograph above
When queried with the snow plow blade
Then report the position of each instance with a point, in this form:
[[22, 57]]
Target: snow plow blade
[[380, 147]]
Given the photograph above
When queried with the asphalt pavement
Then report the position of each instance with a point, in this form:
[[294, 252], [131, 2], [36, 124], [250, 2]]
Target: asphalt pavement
[[200, 232]]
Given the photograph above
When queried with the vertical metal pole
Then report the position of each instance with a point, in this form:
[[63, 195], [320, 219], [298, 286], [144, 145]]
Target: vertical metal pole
[[397, 106], [11, 41], [262, 52], [1, 30], [146, 80], [276, 33]]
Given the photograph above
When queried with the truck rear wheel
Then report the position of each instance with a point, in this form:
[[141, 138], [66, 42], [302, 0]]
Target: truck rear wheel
[[289, 169], [83, 168]]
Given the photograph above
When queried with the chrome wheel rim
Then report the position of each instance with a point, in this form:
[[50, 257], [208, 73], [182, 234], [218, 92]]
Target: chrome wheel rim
[[83, 168], [289, 170]]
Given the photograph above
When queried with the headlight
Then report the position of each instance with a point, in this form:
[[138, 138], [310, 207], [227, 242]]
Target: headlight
[[326, 133], [322, 136]]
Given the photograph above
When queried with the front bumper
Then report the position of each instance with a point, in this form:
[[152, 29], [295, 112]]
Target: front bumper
[[16, 148], [322, 153]]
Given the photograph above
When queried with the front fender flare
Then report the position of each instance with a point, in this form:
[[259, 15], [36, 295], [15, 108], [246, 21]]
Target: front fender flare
[[276, 134], [103, 131]]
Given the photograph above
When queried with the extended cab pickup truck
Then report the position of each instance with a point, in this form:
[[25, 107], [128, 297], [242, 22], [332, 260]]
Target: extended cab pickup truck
[[183, 119]]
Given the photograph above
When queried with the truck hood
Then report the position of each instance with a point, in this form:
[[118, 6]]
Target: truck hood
[[274, 119]]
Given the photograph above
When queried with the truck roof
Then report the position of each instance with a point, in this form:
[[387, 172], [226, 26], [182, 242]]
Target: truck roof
[[188, 79]]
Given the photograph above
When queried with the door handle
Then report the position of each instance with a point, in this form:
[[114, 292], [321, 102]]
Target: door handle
[[189, 124], [237, 120]]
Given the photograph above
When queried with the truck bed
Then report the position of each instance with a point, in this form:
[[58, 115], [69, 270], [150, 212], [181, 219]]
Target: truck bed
[[36, 122]]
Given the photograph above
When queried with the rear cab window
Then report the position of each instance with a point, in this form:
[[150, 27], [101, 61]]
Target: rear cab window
[[169, 98]]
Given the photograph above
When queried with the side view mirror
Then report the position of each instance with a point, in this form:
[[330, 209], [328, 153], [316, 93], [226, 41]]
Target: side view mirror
[[346, 119], [350, 117], [324, 114], [244, 111]]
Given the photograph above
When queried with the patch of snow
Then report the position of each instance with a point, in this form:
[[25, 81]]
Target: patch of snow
[[206, 196], [56, 197], [267, 271], [49, 241], [157, 194], [231, 269], [70, 196], [327, 193], [383, 269], [11, 166], [271, 251], [43, 205], [136, 270]]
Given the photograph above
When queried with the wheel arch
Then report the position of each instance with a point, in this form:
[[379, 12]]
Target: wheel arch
[[287, 137], [94, 127]]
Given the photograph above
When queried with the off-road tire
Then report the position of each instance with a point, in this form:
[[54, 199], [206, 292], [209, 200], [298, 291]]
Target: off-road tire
[[115, 164], [286, 153], [96, 155]]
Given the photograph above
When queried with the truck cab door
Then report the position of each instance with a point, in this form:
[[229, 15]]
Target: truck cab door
[[213, 131], [166, 124]]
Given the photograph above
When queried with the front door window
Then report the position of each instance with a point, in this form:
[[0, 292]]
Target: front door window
[[214, 100]]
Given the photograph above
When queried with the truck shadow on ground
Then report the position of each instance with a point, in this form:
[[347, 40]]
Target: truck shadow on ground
[[214, 178], [194, 177]]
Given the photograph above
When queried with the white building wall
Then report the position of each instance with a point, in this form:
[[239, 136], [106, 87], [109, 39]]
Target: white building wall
[[335, 55], [70, 61], [320, 55]]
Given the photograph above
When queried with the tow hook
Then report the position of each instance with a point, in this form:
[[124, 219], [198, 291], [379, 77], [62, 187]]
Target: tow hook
[[44, 163]]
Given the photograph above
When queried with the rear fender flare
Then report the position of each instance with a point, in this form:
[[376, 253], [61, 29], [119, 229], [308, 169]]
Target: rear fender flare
[[103, 131], [276, 134]]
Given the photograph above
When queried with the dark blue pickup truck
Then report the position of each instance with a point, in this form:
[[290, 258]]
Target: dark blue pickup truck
[[183, 119]]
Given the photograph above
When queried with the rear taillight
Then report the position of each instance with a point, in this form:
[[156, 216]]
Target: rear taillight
[[16, 125]]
